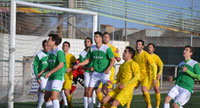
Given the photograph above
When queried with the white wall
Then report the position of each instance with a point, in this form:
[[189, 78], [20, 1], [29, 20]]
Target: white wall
[[30, 45]]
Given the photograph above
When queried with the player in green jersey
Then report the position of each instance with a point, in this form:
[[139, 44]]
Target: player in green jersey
[[56, 74], [40, 63], [103, 59], [183, 88]]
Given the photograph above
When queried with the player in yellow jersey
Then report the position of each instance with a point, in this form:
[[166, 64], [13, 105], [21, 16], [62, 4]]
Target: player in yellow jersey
[[106, 39], [115, 51], [71, 60], [144, 60], [159, 64], [127, 78]]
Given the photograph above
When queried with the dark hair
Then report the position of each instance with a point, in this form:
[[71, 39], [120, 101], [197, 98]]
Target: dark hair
[[98, 33], [140, 41], [154, 46], [106, 33], [66, 42], [190, 47], [43, 42], [131, 51], [88, 38], [56, 38]]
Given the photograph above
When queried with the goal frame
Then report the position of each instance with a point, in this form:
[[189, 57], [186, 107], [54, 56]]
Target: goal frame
[[13, 6]]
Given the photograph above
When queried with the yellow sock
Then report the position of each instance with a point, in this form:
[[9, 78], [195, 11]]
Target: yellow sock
[[113, 107], [100, 96], [69, 101], [147, 98], [157, 100]]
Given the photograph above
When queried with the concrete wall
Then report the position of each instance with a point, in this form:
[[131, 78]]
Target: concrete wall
[[163, 38]]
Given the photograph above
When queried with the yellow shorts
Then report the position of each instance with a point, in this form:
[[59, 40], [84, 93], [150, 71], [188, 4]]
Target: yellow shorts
[[112, 76], [123, 96], [144, 82], [68, 81]]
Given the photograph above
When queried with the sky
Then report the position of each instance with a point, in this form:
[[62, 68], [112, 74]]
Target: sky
[[178, 3]]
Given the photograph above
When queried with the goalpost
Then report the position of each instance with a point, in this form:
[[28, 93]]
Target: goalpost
[[12, 39]]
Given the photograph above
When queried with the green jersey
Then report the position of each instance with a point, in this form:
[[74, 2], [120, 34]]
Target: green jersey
[[40, 62], [83, 57], [100, 57], [55, 57], [183, 79]]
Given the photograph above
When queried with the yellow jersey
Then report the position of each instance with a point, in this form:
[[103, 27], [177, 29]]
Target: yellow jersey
[[158, 62], [129, 73], [70, 59], [144, 61], [113, 50]]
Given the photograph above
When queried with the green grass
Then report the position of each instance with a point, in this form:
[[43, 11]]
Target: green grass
[[137, 102]]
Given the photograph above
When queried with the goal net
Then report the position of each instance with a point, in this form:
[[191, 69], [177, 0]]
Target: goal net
[[34, 21]]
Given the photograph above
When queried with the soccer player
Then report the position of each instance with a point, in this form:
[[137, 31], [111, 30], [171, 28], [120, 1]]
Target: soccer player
[[159, 64], [88, 68], [144, 60], [183, 88], [127, 78], [40, 63], [56, 74], [106, 39], [103, 59], [71, 60]]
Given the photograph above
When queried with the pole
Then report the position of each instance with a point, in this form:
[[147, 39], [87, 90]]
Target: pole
[[191, 36], [95, 25], [125, 21], [12, 54]]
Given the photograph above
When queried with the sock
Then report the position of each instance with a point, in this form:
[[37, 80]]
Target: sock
[[166, 105], [40, 99], [64, 98], [85, 101], [69, 101], [157, 100], [100, 96], [56, 103], [90, 102], [98, 104], [147, 98], [49, 104]]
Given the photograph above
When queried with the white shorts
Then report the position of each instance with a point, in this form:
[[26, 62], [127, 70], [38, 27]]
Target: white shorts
[[97, 78], [54, 85], [43, 83], [180, 95], [87, 77]]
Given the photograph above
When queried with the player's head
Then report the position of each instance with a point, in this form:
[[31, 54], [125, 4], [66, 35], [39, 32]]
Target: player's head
[[128, 53], [66, 46], [151, 48], [139, 45], [98, 37], [54, 39], [45, 46], [106, 37], [188, 51], [88, 42]]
